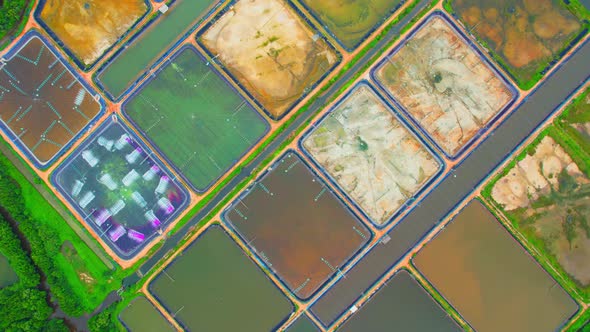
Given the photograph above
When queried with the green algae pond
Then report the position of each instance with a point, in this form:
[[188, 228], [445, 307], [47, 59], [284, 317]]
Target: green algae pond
[[7, 274], [141, 316], [214, 286], [138, 56], [195, 119]]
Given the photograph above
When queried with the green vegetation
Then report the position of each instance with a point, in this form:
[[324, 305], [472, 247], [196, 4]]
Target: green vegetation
[[77, 277], [575, 121], [11, 14], [507, 27], [565, 204], [23, 305]]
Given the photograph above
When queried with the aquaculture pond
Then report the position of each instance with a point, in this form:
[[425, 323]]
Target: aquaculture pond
[[490, 279], [140, 55], [141, 316], [7, 274], [352, 21], [297, 226], [214, 286], [42, 104], [195, 118], [120, 189]]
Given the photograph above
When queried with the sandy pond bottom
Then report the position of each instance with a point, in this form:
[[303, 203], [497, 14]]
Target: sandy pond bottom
[[378, 162], [214, 286], [490, 279], [443, 84], [276, 57], [89, 27]]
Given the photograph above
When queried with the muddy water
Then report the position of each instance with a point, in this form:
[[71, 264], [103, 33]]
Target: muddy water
[[213, 286], [140, 315], [297, 226], [38, 100], [490, 279], [7, 274], [401, 305]]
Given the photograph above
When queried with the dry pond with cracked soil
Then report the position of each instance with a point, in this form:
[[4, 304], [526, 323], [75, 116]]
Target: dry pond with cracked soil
[[444, 84]]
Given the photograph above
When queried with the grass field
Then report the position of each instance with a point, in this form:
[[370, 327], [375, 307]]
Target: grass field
[[575, 120], [195, 119], [143, 51]]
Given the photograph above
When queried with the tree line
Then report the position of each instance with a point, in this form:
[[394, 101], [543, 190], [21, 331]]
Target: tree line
[[23, 305], [11, 12], [44, 244]]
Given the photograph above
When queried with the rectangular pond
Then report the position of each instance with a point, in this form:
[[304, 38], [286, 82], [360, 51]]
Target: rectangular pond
[[214, 286], [141, 316], [400, 305], [88, 28], [297, 226], [120, 189], [490, 279], [195, 118], [371, 154], [136, 58], [43, 105], [277, 57]]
